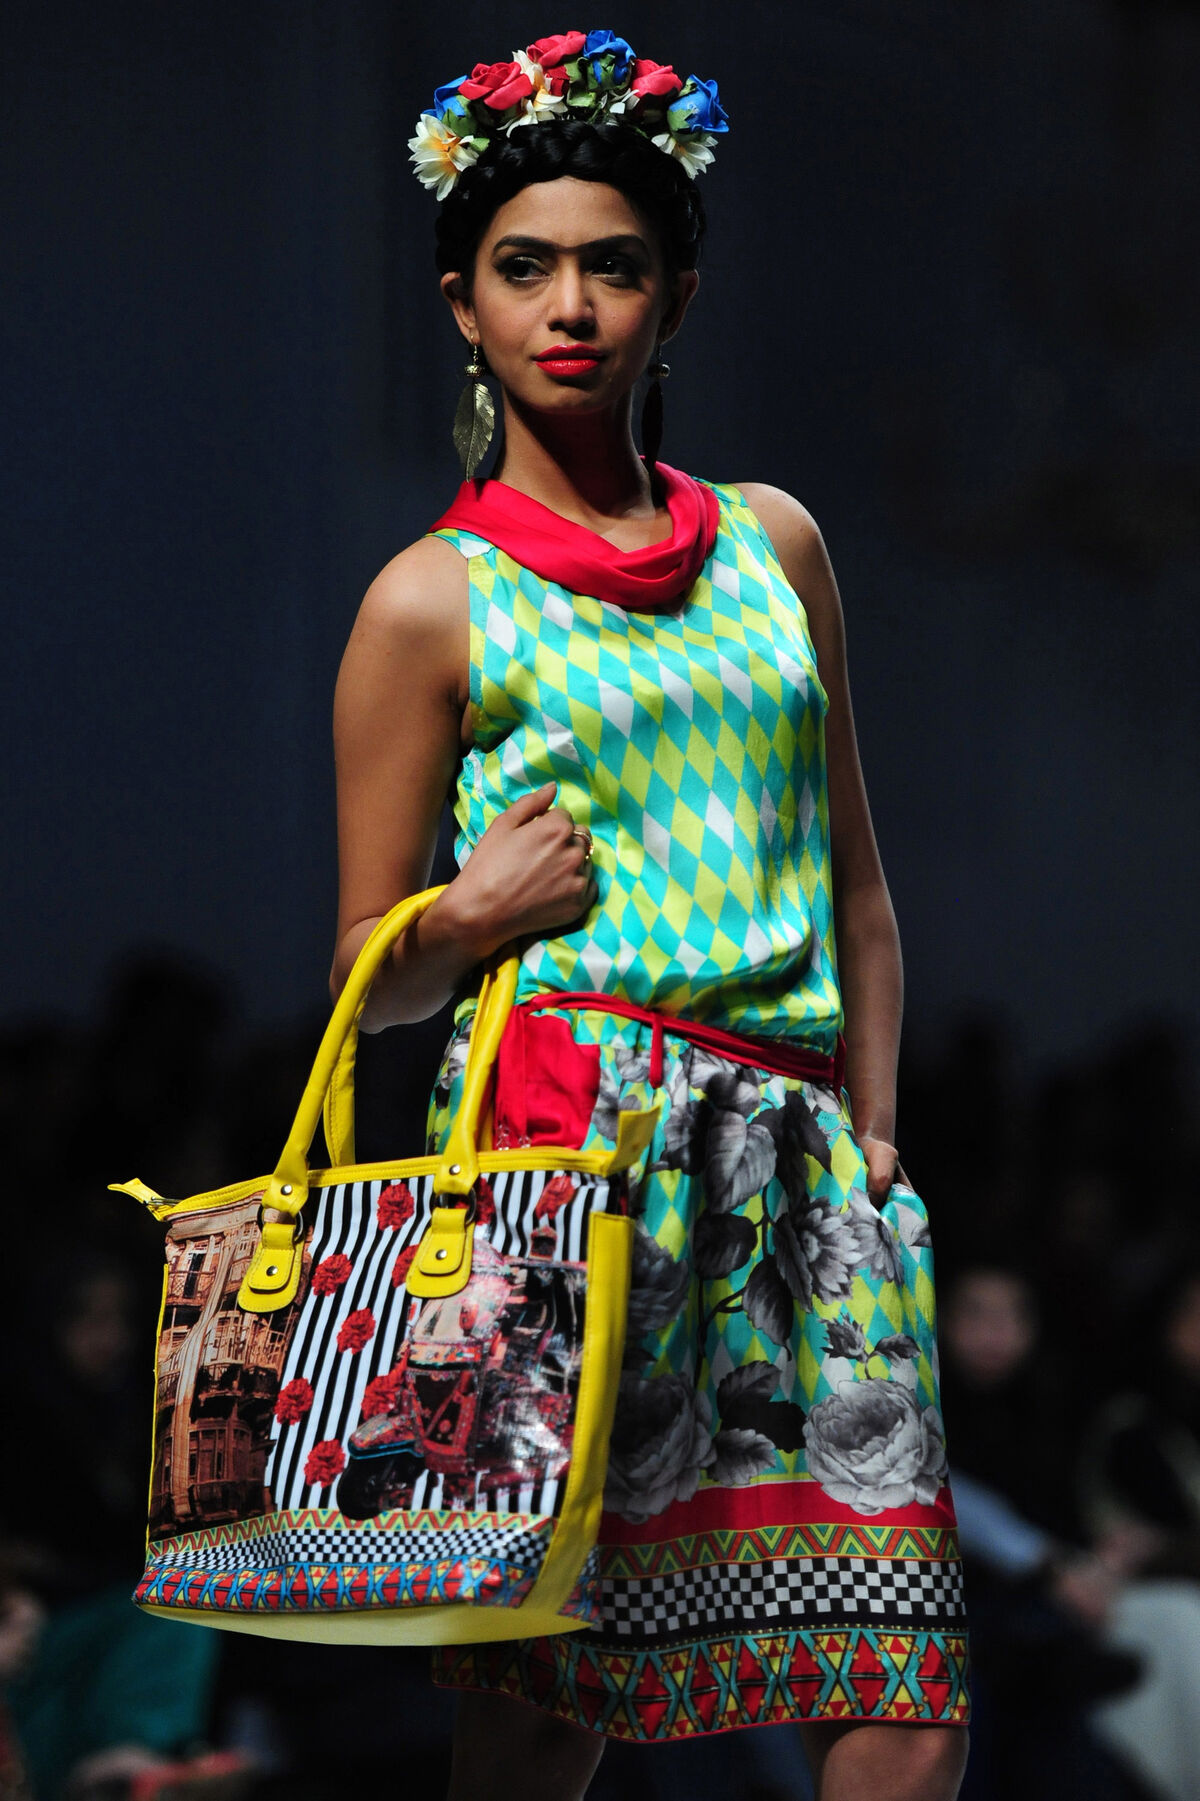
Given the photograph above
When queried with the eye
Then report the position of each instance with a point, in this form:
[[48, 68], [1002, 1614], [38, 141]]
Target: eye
[[620, 265], [509, 269]]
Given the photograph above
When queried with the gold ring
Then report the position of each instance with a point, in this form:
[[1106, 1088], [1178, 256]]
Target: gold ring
[[581, 831]]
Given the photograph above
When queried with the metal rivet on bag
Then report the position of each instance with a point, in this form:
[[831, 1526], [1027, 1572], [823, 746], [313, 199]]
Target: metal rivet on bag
[[286, 1189], [272, 1269], [456, 1169], [439, 1255]]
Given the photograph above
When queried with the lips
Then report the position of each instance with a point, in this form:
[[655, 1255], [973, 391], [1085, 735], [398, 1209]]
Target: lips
[[569, 353], [570, 359]]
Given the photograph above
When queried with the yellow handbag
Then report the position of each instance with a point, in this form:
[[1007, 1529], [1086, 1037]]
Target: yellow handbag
[[384, 1416]]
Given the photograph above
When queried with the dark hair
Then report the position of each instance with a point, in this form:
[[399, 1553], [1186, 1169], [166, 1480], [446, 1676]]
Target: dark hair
[[606, 151]]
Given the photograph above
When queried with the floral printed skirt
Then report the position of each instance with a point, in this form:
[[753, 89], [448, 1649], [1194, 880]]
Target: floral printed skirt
[[778, 1541]]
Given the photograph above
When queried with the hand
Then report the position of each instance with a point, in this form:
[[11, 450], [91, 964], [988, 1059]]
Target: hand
[[529, 875], [883, 1168]]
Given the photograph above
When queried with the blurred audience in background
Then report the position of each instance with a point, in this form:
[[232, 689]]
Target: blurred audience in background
[[1068, 1249]]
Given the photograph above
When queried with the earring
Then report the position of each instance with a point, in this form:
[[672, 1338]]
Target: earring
[[652, 412], [475, 416]]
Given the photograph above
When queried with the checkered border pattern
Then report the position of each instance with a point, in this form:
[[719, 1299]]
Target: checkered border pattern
[[781, 1596], [279, 1550]]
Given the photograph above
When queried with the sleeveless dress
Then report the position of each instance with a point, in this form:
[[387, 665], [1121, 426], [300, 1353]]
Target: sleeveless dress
[[778, 1541]]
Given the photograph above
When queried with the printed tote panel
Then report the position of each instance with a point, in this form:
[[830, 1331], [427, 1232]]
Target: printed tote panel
[[384, 1392]]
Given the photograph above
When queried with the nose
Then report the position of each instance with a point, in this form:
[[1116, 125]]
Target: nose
[[570, 308]]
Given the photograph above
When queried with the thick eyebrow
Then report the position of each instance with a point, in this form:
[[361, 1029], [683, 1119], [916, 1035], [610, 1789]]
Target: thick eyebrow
[[517, 242]]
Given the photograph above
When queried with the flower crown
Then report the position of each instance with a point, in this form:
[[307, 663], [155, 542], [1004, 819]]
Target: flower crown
[[578, 75]]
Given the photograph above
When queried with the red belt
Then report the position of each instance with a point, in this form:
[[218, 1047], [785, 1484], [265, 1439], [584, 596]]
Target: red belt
[[775, 1055]]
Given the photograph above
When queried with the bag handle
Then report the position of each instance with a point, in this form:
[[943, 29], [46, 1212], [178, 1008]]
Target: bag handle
[[330, 1086]]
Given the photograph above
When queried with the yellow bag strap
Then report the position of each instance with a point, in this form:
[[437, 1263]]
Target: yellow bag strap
[[330, 1086]]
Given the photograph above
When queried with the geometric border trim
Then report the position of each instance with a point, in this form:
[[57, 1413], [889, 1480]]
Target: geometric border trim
[[723, 1684]]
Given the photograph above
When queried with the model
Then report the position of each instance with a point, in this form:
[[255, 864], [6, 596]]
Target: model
[[632, 684]]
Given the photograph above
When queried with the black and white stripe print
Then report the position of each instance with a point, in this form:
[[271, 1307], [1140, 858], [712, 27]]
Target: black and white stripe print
[[344, 1220]]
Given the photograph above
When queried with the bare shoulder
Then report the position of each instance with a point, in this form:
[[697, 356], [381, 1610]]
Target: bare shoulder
[[794, 533], [422, 594], [411, 637], [797, 542]]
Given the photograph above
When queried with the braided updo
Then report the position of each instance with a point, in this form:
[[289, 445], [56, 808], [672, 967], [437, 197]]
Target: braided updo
[[653, 182]]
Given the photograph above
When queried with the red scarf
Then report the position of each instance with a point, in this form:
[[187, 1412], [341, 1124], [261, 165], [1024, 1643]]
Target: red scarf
[[559, 550]]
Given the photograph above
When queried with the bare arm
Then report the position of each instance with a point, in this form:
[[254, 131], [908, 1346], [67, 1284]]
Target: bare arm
[[400, 726], [868, 944]]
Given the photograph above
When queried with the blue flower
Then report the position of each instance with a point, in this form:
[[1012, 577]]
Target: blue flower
[[697, 108], [445, 100], [600, 43]]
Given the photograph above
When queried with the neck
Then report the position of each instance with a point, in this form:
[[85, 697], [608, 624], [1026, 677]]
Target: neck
[[586, 467]]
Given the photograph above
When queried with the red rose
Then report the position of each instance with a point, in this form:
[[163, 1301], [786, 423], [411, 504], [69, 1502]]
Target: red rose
[[558, 1190], [558, 49], [356, 1330], [294, 1401], [653, 78], [400, 1267], [381, 1395], [501, 85], [324, 1463], [395, 1205], [331, 1273]]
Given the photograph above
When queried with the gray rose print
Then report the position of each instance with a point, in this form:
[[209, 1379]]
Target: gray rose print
[[879, 1246], [662, 1439], [818, 1251], [845, 1338], [742, 1454], [798, 1135], [872, 1446], [658, 1286]]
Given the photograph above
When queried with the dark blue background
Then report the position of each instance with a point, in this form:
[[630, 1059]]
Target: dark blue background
[[949, 300]]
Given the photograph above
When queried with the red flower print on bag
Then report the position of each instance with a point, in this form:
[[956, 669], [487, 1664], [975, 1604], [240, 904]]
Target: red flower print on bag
[[555, 1194], [324, 1463], [485, 1203], [331, 1274], [395, 1205], [356, 1330], [381, 1395], [401, 1266], [294, 1401]]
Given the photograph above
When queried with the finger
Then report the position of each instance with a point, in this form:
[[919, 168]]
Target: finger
[[530, 806]]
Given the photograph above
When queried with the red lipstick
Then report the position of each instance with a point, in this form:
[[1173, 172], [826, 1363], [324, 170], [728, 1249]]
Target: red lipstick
[[569, 359]]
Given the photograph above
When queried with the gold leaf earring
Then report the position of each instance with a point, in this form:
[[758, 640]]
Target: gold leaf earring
[[475, 417]]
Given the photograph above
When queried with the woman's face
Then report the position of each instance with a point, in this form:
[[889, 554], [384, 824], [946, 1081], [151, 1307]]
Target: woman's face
[[569, 262]]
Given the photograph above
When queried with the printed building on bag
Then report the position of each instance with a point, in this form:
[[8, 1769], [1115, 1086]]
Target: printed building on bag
[[218, 1375]]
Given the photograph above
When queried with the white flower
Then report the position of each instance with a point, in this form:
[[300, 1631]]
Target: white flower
[[872, 1446], [541, 104], [439, 155], [694, 151]]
